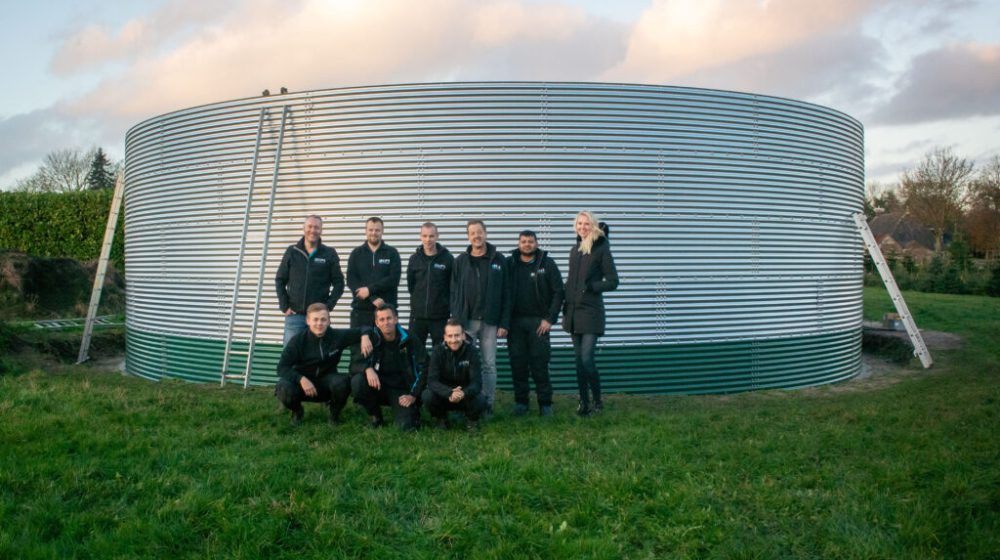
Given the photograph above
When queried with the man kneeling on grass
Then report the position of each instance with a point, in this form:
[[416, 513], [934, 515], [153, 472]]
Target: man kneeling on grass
[[307, 369], [389, 375], [455, 378]]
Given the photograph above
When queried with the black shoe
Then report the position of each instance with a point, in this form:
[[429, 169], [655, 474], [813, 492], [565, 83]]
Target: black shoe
[[335, 418], [472, 426], [598, 407], [375, 421], [442, 423], [520, 409], [297, 417], [583, 409]]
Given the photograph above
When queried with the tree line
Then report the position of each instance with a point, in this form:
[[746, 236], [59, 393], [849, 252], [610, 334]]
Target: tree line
[[950, 196], [72, 170]]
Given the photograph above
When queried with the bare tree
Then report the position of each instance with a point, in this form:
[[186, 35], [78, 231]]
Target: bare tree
[[933, 192], [880, 198], [982, 223], [61, 171]]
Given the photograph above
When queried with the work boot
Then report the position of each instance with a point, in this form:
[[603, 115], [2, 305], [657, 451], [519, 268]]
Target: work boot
[[297, 415], [545, 410], [520, 409]]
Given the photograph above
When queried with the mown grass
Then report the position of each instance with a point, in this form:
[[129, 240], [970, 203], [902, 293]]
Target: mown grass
[[96, 465]]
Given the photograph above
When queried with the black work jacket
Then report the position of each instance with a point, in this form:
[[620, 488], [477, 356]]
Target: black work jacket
[[542, 275], [303, 280], [379, 271], [415, 379], [428, 279], [313, 356], [496, 306], [455, 369]]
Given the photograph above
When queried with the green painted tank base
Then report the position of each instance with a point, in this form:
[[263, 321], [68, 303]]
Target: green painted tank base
[[717, 367]]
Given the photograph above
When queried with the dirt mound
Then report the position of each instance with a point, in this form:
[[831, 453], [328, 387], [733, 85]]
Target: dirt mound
[[38, 287]]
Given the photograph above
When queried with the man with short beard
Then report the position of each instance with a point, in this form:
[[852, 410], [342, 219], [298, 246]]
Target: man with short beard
[[373, 272], [309, 273]]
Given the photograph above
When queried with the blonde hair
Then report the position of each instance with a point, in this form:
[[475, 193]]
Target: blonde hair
[[586, 244]]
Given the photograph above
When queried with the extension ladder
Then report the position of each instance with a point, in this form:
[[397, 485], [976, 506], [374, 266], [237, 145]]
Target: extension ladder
[[238, 350], [919, 348], [102, 267]]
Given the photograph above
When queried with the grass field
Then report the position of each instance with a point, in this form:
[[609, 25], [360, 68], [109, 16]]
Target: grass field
[[905, 465]]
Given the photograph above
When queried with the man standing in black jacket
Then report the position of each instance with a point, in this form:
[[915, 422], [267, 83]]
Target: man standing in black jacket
[[537, 293], [454, 380], [389, 376], [309, 273], [373, 272], [307, 370], [428, 279], [480, 300]]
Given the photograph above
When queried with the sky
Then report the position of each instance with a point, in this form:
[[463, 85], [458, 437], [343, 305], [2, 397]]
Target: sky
[[917, 73]]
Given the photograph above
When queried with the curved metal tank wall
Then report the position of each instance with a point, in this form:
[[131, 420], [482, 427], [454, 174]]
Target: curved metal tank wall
[[730, 213]]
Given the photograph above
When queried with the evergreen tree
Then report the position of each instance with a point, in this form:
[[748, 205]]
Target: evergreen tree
[[100, 176]]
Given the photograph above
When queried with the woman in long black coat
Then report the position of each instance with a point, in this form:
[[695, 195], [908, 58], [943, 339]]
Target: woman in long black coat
[[591, 273]]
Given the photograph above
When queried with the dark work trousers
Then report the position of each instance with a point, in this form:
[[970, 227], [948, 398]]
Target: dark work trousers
[[372, 400], [332, 389], [587, 378], [529, 355], [439, 406], [419, 330], [361, 318]]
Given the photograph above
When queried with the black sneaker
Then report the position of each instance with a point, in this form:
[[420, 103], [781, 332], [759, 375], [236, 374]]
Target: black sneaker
[[442, 423], [520, 409], [297, 417], [472, 426], [583, 409], [375, 421], [598, 407]]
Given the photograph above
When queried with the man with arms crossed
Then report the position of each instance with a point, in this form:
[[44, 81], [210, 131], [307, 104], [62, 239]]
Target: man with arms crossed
[[309, 273]]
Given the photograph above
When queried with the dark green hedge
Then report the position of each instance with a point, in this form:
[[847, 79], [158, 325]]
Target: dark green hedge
[[59, 224]]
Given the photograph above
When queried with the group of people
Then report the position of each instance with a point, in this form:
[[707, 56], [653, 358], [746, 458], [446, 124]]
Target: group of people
[[462, 302]]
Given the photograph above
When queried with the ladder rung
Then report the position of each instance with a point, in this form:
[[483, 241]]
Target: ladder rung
[[235, 376], [239, 353]]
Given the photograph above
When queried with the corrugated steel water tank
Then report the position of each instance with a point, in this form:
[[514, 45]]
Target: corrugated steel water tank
[[730, 217]]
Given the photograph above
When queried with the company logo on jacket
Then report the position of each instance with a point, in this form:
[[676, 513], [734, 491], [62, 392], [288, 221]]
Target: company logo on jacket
[[439, 266], [495, 267], [319, 260], [384, 261]]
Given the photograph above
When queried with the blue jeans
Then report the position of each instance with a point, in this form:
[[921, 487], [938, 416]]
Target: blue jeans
[[486, 337], [587, 378], [294, 324]]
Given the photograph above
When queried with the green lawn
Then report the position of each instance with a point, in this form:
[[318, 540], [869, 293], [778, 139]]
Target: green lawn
[[96, 465]]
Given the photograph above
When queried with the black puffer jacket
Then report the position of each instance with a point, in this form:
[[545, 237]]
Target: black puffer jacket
[[428, 279], [589, 277], [302, 280]]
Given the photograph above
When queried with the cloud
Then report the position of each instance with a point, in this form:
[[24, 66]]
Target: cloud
[[322, 44], [96, 45], [677, 38], [951, 82]]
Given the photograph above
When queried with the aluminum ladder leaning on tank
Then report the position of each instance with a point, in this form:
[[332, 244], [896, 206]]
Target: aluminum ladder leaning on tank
[[919, 348], [241, 262]]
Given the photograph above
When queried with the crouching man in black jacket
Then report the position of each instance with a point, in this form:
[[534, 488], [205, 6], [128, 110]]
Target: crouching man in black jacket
[[389, 375], [455, 378], [307, 369]]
